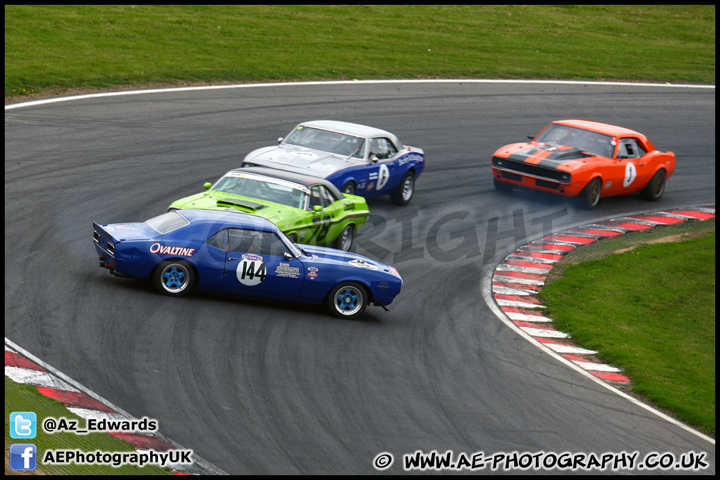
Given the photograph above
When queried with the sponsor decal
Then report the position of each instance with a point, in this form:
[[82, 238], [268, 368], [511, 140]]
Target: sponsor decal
[[413, 157], [312, 273], [350, 206], [285, 270], [168, 250], [362, 264], [370, 186]]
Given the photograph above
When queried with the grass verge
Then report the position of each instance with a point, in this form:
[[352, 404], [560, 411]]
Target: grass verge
[[647, 305], [51, 47]]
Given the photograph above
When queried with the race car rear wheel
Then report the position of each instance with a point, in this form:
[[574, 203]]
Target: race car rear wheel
[[349, 188], [174, 278], [590, 195], [347, 300], [345, 240], [655, 187], [404, 192]]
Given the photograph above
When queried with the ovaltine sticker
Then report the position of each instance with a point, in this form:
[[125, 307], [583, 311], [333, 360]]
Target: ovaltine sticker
[[165, 249]]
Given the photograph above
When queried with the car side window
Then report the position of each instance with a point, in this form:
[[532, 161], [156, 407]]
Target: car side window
[[242, 240], [327, 197], [382, 148], [630, 148], [315, 198], [219, 240]]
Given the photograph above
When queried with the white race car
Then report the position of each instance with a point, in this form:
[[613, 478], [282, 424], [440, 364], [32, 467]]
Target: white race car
[[357, 159]]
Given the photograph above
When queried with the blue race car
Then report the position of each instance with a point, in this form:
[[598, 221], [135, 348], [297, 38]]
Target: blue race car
[[357, 159], [240, 253]]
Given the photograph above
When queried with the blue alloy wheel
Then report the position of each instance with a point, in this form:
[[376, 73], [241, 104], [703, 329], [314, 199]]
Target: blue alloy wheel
[[348, 300], [174, 278]]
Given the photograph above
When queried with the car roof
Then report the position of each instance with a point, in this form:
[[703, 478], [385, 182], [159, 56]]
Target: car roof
[[306, 180], [238, 219], [351, 129], [606, 128]]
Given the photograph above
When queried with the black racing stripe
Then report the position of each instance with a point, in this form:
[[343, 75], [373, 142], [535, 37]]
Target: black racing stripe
[[556, 157]]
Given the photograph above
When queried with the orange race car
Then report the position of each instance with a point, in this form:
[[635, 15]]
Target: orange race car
[[586, 160]]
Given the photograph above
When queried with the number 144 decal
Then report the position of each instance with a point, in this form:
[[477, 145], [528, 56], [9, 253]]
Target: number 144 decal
[[251, 272]]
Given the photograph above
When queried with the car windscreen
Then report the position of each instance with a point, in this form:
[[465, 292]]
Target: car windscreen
[[585, 140], [168, 222], [327, 141], [260, 187]]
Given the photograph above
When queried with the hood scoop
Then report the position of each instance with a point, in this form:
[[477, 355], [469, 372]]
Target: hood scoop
[[234, 203]]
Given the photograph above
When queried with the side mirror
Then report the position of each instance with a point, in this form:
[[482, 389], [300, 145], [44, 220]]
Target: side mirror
[[287, 256], [374, 158], [207, 185], [280, 139], [531, 138], [317, 208]]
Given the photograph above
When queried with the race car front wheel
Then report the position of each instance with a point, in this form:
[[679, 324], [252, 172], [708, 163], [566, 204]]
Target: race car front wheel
[[347, 300], [404, 192], [174, 278], [655, 187], [349, 188], [345, 240], [590, 195]]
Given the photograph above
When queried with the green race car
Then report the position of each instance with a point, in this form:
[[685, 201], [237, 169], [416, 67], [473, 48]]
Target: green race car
[[307, 209]]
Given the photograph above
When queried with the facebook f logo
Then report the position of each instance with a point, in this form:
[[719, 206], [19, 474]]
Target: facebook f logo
[[23, 425], [23, 456]]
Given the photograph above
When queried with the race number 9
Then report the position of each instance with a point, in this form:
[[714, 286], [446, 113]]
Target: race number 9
[[251, 272], [630, 174], [383, 177]]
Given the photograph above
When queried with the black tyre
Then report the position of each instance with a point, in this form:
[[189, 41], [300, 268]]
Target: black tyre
[[590, 195], [174, 278], [345, 240], [502, 186], [403, 193], [655, 187], [347, 300], [349, 188]]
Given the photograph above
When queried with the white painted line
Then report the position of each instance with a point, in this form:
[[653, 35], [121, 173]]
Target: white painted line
[[346, 82], [527, 318], [517, 268], [569, 349], [544, 333], [97, 414], [597, 367], [518, 280], [511, 291], [39, 379], [530, 259], [510, 303]]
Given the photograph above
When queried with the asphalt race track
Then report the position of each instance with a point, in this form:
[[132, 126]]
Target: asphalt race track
[[257, 387]]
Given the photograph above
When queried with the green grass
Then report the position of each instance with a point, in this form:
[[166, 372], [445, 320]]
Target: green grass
[[51, 47], [26, 398], [649, 311]]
